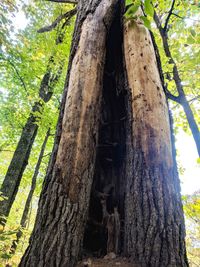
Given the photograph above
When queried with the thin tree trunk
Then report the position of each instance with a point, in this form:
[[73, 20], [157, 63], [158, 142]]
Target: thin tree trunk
[[23, 222], [154, 224], [181, 98], [21, 155], [63, 208]]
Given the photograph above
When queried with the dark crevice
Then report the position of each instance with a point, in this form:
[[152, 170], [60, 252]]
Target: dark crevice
[[108, 182]]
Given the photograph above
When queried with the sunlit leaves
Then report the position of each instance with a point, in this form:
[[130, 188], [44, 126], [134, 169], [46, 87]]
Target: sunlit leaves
[[134, 5], [148, 8]]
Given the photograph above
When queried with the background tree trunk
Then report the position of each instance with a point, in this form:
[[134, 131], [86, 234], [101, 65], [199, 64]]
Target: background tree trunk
[[154, 224], [23, 222], [22, 152], [63, 207]]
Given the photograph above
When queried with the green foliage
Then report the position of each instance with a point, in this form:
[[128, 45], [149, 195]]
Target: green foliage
[[24, 56], [135, 5], [148, 8], [184, 39], [192, 213]]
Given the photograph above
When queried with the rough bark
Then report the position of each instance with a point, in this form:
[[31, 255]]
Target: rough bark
[[63, 207], [154, 225], [21, 155], [23, 222]]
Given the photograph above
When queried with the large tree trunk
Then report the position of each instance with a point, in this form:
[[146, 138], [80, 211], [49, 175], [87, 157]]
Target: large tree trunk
[[113, 153], [23, 222], [154, 229], [63, 207], [22, 152]]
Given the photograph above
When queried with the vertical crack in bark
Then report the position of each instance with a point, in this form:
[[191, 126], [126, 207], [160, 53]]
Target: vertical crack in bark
[[108, 185]]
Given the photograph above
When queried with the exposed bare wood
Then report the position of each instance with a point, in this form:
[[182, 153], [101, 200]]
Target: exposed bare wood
[[147, 94]]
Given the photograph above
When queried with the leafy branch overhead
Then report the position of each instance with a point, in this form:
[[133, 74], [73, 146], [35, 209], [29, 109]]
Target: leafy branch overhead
[[66, 16]]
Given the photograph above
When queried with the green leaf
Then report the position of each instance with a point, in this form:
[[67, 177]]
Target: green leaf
[[190, 40], [148, 8], [129, 2], [131, 11], [193, 32], [147, 23], [198, 160]]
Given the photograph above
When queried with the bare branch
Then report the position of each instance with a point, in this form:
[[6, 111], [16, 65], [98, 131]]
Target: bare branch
[[193, 99], [157, 21], [180, 17], [68, 15], [169, 15]]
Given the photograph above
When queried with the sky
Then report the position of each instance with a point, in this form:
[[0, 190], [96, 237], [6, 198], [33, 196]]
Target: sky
[[187, 157], [187, 152]]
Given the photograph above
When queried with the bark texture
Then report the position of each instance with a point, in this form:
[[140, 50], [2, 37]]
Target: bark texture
[[22, 152], [63, 207], [154, 224]]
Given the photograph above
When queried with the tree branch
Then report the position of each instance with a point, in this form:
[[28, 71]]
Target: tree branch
[[18, 74], [169, 15], [180, 17], [68, 15], [172, 97], [65, 1]]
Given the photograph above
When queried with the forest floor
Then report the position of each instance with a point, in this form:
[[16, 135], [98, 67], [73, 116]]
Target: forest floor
[[94, 262]]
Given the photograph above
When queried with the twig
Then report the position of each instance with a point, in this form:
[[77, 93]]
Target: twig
[[18, 74], [180, 17], [169, 15], [68, 15]]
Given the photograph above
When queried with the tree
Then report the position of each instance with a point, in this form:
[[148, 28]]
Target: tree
[[113, 151], [181, 98], [23, 222], [21, 155]]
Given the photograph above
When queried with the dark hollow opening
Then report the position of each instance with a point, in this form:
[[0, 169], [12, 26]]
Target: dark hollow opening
[[108, 184]]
